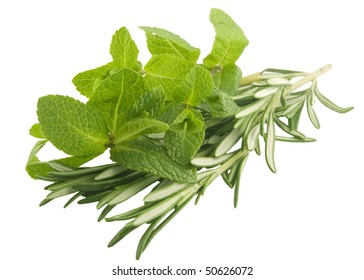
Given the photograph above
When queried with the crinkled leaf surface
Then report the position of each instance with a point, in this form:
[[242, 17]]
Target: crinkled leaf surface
[[161, 41], [138, 127], [195, 87], [117, 96], [124, 53], [229, 43], [221, 105], [167, 71], [152, 102], [145, 155], [171, 111], [123, 49], [230, 79], [85, 81], [185, 136], [72, 126]]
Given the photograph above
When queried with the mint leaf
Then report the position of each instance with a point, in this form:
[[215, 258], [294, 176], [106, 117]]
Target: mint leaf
[[195, 87], [72, 126], [230, 40], [152, 102], [117, 96], [123, 49], [36, 131], [138, 127], [161, 41], [85, 81], [185, 137], [221, 105], [167, 71], [230, 79], [124, 53], [146, 156], [171, 111]]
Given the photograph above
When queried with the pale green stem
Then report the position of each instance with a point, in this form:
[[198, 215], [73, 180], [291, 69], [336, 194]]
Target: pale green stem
[[310, 77]]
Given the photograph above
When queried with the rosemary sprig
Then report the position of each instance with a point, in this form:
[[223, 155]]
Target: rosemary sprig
[[172, 126], [267, 102]]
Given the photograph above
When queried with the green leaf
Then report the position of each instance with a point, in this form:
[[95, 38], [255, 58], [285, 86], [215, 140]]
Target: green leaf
[[196, 86], [144, 155], [117, 96], [230, 40], [221, 105], [121, 234], [123, 49], [170, 112], [124, 53], [123, 193], [152, 102], [33, 160], [185, 137], [36, 168], [230, 79], [72, 126], [312, 115], [134, 129], [156, 210], [269, 144], [161, 41], [329, 104], [167, 71], [149, 237], [87, 81], [36, 131]]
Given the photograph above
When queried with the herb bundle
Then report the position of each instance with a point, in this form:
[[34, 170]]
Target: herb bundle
[[172, 125]]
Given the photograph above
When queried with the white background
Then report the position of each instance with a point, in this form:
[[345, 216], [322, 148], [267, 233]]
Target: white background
[[305, 222]]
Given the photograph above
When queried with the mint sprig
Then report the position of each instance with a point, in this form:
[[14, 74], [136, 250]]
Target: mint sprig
[[172, 126]]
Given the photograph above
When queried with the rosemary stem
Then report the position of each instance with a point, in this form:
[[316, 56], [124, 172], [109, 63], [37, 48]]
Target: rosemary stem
[[256, 77], [310, 77], [229, 163]]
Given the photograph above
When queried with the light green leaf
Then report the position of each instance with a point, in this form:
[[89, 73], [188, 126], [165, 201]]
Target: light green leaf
[[36, 131], [161, 41], [270, 143], [230, 79], [230, 40], [85, 81], [144, 155], [123, 49], [221, 105], [167, 71], [171, 111], [123, 193], [229, 141], [196, 86], [312, 115], [185, 137], [153, 102], [72, 126], [329, 104], [117, 96], [138, 127], [156, 210]]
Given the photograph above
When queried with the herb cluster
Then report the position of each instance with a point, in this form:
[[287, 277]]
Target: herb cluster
[[173, 125]]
